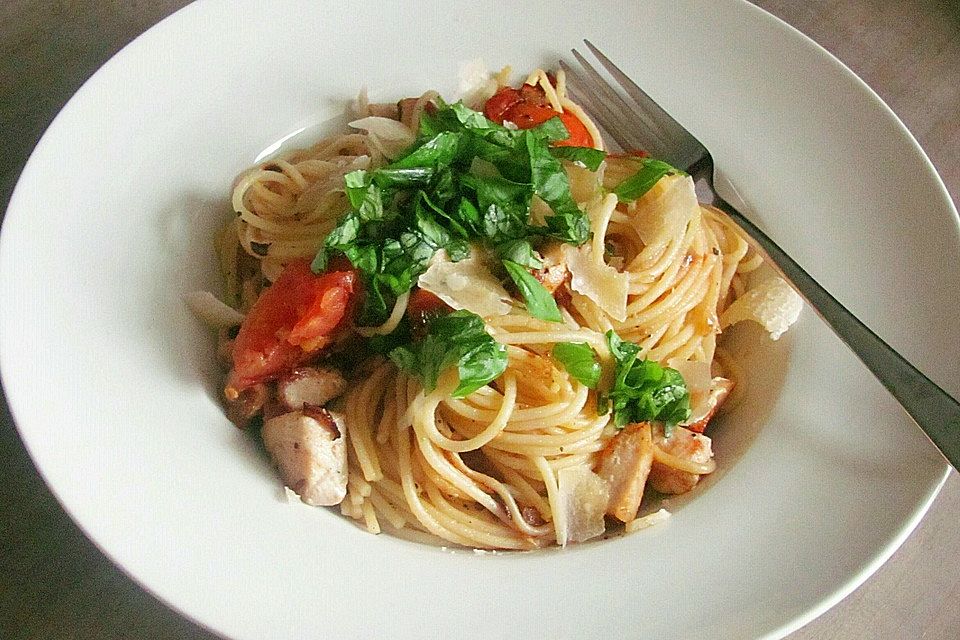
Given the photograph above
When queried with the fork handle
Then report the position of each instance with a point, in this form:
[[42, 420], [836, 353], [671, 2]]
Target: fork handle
[[932, 408]]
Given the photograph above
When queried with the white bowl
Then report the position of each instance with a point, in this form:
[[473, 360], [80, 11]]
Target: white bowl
[[113, 385]]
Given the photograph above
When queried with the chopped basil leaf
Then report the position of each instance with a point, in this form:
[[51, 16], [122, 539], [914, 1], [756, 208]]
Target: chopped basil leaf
[[643, 180], [552, 130], [519, 251], [319, 263], [460, 339], [391, 177], [643, 390], [440, 150], [587, 156], [346, 232], [540, 303], [551, 184], [356, 184], [579, 360], [572, 227]]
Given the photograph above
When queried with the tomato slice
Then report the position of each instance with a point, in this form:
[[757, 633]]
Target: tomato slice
[[329, 305], [527, 115], [579, 136], [527, 107], [422, 308], [500, 102], [291, 320]]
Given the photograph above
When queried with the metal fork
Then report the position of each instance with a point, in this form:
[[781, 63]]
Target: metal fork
[[635, 121]]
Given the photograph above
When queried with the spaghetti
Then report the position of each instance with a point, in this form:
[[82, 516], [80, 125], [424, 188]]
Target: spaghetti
[[536, 455]]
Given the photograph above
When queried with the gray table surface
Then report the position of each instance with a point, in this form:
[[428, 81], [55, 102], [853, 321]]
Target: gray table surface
[[55, 584]]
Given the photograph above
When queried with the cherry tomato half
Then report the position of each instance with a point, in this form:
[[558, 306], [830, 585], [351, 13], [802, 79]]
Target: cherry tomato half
[[499, 103], [291, 320], [422, 308], [528, 107]]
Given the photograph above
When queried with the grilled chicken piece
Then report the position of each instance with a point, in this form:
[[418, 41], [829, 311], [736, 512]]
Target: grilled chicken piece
[[385, 110], [625, 464], [246, 405], [406, 112], [310, 449], [314, 386], [686, 445], [554, 271], [672, 481]]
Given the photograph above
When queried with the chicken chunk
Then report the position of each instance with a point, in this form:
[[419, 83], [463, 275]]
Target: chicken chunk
[[244, 406], [625, 465], [685, 445], [310, 449], [672, 481], [554, 272], [407, 112], [314, 386], [385, 110]]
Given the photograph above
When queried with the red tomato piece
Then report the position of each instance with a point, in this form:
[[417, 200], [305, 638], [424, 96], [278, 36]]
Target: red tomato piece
[[500, 102], [423, 307], [330, 300], [527, 115], [527, 107], [534, 94], [291, 320], [579, 136]]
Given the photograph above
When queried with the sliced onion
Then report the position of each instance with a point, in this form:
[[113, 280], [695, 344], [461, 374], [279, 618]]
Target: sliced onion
[[391, 137], [212, 311]]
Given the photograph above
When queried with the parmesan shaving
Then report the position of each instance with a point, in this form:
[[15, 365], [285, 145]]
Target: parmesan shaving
[[582, 495], [648, 520], [598, 281], [663, 212], [772, 303], [695, 374], [477, 84], [467, 284]]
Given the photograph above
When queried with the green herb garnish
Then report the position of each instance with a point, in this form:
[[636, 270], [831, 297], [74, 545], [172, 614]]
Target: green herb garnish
[[643, 180], [539, 302], [587, 156], [579, 360], [644, 390], [458, 338]]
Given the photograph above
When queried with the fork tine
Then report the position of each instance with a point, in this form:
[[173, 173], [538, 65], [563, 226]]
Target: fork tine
[[623, 120], [620, 116], [657, 119], [614, 123], [628, 114]]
